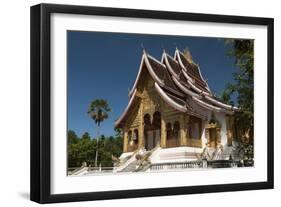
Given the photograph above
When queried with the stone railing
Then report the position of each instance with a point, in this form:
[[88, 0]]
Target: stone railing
[[177, 165], [222, 163], [73, 170], [79, 171], [195, 164], [100, 169]]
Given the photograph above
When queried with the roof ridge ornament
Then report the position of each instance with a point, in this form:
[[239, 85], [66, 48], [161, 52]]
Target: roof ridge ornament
[[129, 92], [188, 56], [143, 48], [163, 49]]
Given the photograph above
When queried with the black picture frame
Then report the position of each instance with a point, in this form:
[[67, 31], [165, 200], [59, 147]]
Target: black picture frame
[[41, 96]]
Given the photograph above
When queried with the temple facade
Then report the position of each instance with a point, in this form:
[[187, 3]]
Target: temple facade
[[173, 114]]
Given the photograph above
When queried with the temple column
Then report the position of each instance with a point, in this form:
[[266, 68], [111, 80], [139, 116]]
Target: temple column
[[182, 130], [207, 137], [125, 141], [218, 138], [229, 131], [163, 133], [141, 127], [187, 138]]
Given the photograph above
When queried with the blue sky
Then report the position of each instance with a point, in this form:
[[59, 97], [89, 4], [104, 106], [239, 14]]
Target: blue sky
[[105, 65]]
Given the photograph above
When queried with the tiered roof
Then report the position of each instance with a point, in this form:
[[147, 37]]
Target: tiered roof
[[179, 82]]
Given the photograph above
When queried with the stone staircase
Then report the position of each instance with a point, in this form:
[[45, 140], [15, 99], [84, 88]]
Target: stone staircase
[[231, 151], [80, 171], [138, 165], [224, 154], [131, 167]]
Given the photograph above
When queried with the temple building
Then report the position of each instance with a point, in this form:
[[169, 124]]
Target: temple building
[[173, 114]]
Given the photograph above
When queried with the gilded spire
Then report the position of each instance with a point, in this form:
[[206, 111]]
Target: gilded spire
[[143, 48], [187, 55]]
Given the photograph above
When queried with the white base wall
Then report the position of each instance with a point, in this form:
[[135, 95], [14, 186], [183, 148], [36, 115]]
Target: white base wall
[[175, 154]]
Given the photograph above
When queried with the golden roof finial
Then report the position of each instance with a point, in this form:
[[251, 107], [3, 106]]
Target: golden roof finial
[[143, 49], [187, 55], [163, 49]]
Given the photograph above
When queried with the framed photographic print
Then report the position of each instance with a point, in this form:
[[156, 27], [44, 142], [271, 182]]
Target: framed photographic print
[[132, 103]]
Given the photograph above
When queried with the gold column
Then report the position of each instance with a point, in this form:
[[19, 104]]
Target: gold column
[[187, 138], [141, 128], [229, 128], [163, 133], [218, 133], [183, 140], [207, 136], [125, 141]]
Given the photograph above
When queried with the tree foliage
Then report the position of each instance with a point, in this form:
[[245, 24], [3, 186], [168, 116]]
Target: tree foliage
[[243, 85], [98, 110], [72, 138], [86, 136], [98, 151], [84, 149]]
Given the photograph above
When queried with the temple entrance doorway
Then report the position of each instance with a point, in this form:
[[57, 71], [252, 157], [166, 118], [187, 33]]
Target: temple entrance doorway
[[213, 140], [152, 130], [213, 132], [152, 139], [173, 134]]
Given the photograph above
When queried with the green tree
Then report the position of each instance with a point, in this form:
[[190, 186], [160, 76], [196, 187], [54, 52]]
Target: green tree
[[86, 135], [72, 138], [243, 86], [98, 111], [109, 146], [84, 149], [118, 142]]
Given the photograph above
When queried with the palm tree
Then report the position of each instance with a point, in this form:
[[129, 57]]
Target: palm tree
[[98, 111]]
